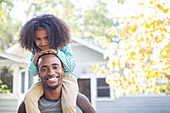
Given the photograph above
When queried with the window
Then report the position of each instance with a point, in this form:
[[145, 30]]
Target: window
[[23, 82], [103, 89], [30, 81]]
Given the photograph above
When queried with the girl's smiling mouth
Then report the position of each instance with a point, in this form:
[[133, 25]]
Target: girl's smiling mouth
[[44, 47]]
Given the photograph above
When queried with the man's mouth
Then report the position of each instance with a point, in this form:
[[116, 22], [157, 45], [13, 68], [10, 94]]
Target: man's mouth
[[53, 79]]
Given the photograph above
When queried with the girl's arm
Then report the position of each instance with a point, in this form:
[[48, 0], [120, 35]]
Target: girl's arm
[[32, 68], [33, 63], [67, 58]]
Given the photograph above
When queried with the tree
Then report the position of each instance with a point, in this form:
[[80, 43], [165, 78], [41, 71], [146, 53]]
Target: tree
[[142, 59], [87, 23], [5, 7], [93, 22], [8, 26], [9, 31]]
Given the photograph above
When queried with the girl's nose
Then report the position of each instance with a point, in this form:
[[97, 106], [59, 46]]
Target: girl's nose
[[43, 42]]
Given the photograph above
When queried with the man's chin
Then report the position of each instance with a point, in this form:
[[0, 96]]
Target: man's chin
[[53, 87]]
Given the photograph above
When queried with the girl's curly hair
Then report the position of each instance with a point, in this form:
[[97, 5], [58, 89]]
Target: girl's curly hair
[[58, 32]]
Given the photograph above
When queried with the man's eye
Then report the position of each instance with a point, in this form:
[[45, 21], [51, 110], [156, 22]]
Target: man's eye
[[56, 67], [43, 69]]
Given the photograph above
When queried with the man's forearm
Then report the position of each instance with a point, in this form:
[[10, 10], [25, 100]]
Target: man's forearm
[[84, 104]]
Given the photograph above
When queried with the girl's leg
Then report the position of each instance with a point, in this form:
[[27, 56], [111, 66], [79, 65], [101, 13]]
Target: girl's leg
[[31, 98], [69, 94]]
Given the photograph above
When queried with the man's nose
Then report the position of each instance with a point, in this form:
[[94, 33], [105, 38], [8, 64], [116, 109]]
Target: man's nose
[[51, 72]]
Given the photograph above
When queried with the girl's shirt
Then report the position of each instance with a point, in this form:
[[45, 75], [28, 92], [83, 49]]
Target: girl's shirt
[[67, 58]]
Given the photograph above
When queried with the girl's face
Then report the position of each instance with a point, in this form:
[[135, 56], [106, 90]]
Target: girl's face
[[41, 39]]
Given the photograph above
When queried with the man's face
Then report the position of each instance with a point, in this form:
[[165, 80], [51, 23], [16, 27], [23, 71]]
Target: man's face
[[50, 71]]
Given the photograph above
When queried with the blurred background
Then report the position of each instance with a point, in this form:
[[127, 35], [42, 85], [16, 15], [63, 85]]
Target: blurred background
[[122, 50]]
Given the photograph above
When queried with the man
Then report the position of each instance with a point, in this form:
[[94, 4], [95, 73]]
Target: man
[[50, 71]]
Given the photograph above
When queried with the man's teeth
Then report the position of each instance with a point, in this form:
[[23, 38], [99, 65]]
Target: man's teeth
[[52, 78]]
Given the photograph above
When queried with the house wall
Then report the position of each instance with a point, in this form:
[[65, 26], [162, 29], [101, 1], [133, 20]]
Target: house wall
[[8, 103], [85, 58], [135, 104], [86, 55]]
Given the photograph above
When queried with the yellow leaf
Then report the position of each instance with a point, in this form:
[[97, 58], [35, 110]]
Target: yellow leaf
[[113, 63], [95, 68], [157, 91], [141, 3], [168, 92], [106, 71], [99, 72], [92, 67], [160, 6]]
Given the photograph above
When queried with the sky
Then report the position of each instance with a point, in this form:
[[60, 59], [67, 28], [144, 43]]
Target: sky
[[20, 7], [113, 7], [18, 10]]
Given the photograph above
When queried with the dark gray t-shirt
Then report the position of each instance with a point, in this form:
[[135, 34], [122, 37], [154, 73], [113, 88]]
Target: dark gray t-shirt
[[51, 106]]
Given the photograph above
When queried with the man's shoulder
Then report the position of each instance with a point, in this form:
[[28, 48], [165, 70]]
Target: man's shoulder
[[82, 102]]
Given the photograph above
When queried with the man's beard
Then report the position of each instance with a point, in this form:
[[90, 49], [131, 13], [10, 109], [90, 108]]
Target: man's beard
[[56, 86]]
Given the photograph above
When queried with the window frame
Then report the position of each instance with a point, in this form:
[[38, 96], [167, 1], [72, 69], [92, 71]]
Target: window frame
[[111, 91]]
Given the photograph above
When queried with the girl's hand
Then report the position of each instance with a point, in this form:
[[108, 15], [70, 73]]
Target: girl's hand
[[54, 51], [39, 53]]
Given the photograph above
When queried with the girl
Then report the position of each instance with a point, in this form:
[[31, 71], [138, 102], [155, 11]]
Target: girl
[[49, 34]]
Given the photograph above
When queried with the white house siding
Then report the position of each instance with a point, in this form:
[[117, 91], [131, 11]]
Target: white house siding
[[145, 104], [85, 58], [8, 103]]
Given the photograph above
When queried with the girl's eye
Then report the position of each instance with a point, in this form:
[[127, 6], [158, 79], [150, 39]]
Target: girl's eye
[[46, 37], [37, 39]]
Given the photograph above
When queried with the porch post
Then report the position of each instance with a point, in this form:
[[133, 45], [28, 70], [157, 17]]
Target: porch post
[[16, 81], [93, 91]]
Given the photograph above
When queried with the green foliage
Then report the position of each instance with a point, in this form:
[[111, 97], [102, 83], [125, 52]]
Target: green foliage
[[3, 88], [5, 7], [6, 76], [85, 23], [8, 32], [95, 23], [121, 1], [8, 27]]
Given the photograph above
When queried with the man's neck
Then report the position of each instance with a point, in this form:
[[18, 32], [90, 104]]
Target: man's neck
[[53, 94]]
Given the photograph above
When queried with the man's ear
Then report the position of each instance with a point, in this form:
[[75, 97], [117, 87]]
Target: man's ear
[[38, 73], [63, 69]]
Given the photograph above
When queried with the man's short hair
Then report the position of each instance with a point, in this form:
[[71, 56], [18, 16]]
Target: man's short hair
[[48, 54]]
